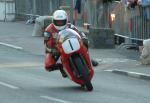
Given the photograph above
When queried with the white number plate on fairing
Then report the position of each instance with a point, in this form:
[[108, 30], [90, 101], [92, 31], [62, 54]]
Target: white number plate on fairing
[[71, 45]]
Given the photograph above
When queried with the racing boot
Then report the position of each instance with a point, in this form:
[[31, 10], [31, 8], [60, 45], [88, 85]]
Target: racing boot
[[94, 62], [60, 66]]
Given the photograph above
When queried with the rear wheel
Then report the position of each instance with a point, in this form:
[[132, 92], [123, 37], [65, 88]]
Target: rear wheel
[[83, 71]]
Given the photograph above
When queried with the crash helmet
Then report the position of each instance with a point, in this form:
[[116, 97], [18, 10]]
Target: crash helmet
[[60, 19]]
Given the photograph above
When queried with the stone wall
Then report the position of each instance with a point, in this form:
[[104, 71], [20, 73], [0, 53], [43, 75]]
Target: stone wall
[[101, 37]]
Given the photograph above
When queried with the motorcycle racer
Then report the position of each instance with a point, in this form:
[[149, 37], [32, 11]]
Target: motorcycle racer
[[60, 22]]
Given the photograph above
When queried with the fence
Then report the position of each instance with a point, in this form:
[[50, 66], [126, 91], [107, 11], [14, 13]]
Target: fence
[[7, 10], [30, 8], [24, 9], [132, 24], [98, 13], [27, 8]]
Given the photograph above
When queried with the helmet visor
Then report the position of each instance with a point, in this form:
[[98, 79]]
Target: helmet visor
[[60, 22]]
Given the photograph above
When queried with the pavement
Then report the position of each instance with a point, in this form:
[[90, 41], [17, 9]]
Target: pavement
[[18, 35]]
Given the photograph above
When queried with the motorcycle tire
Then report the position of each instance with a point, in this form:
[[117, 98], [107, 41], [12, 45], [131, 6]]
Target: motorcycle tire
[[83, 71]]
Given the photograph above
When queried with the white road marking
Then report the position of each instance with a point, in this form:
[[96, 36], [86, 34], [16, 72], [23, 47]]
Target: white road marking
[[12, 46], [24, 64], [8, 85], [55, 99], [108, 70]]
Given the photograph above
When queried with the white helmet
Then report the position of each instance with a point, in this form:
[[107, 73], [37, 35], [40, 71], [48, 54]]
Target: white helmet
[[60, 19]]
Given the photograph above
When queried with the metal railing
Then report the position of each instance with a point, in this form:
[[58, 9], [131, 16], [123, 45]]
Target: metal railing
[[7, 10], [98, 13], [28, 8], [140, 24], [133, 24]]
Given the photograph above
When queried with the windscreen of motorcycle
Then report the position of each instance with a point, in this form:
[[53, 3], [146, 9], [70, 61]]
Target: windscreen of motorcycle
[[67, 33], [69, 40]]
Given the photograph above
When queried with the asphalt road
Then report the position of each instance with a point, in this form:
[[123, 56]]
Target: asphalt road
[[24, 80]]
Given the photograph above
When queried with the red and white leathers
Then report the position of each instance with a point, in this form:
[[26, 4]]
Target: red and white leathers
[[50, 44]]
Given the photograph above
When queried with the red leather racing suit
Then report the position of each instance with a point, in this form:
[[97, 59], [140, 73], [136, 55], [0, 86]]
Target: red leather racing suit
[[49, 41]]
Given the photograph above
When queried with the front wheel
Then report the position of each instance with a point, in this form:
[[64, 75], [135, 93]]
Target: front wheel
[[83, 71]]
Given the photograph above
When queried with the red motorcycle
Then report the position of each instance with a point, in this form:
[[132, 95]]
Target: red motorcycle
[[75, 58]]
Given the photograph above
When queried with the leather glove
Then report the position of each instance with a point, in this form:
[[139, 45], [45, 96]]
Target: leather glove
[[54, 52], [84, 39], [47, 35]]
